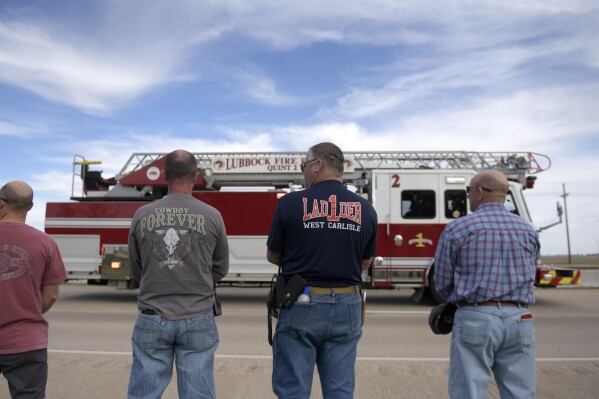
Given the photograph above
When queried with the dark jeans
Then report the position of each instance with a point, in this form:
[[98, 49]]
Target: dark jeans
[[26, 373]]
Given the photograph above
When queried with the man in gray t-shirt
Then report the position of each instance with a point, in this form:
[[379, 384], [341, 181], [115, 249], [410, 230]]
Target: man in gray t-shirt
[[178, 251]]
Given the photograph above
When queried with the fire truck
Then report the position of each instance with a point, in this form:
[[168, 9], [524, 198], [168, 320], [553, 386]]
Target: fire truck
[[415, 195]]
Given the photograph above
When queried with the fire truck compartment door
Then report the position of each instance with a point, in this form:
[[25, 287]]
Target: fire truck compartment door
[[80, 254], [413, 197], [408, 205], [414, 209]]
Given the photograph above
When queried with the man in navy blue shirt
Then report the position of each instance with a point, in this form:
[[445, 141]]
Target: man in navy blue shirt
[[327, 235]]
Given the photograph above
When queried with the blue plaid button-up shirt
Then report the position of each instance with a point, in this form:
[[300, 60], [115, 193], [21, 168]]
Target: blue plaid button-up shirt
[[490, 254]]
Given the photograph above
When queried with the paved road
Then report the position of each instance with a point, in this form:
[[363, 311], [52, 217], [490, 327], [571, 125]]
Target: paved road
[[90, 330]]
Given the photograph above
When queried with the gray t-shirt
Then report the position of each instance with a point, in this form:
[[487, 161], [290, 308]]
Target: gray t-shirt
[[178, 250]]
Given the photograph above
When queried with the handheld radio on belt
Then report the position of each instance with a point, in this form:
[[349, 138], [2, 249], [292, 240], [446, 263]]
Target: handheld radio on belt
[[283, 294]]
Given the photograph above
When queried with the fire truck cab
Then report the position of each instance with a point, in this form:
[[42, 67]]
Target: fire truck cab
[[413, 207]]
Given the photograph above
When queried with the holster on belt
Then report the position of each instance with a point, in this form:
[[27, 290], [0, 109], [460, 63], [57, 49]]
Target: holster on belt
[[283, 294], [272, 305]]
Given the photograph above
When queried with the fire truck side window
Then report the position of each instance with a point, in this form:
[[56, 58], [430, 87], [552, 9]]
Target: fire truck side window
[[418, 204], [455, 203], [510, 204]]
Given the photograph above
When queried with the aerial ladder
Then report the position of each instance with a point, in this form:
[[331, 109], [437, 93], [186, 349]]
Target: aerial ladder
[[517, 166]]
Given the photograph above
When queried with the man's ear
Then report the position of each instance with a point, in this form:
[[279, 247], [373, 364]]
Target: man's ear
[[318, 161]]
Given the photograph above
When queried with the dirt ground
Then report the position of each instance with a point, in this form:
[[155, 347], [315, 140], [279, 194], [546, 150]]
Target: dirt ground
[[577, 261]]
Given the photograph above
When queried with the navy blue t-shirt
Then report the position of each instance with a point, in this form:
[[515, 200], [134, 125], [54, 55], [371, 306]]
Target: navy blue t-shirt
[[323, 233]]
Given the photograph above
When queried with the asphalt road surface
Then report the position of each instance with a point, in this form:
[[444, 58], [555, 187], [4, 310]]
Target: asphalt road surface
[[398, 356]]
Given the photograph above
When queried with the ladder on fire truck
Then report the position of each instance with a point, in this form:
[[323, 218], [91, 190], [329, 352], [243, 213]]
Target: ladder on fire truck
[[515, 165]]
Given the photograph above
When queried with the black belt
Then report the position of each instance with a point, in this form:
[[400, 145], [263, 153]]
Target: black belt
[[150, 312], [494, 303]]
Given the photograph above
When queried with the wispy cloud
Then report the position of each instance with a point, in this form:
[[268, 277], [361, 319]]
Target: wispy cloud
[[257, 86], [12, 129], [133, 48], [70, 73]]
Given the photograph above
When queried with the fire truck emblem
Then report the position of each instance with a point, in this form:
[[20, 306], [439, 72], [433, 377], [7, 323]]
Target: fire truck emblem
[[153, 173], [420, 241]]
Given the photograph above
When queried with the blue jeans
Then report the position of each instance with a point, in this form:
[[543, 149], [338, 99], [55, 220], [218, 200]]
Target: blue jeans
[[492, 339], [324, 332], [190, 342]]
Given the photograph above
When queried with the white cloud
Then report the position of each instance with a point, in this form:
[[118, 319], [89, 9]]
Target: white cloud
[[76, 72], [533, 120], [256, 85], [11, 129], [136, 46]]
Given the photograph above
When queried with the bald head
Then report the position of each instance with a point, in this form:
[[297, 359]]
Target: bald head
[[493, 180], [487, 186], [16, 199], [181, 171], [17, 192], [180, 164]]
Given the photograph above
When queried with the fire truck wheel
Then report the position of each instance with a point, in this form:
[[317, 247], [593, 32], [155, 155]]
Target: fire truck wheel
[[432, 290]]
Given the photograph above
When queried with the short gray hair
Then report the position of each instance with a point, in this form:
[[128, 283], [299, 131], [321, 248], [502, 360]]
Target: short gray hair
[[330, 154]]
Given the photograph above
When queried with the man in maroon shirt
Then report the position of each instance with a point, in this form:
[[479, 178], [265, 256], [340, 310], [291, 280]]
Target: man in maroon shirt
[[30, 271]]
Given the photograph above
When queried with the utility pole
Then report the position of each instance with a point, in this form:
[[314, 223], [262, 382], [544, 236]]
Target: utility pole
[[567, 229]]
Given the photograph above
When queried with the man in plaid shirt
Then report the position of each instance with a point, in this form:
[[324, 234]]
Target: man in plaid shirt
[[485, 263]]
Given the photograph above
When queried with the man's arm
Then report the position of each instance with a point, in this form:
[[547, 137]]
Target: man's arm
[[444, 266], [369, 250], [49, 296], [220, 257], [134, 256], [273, 257]]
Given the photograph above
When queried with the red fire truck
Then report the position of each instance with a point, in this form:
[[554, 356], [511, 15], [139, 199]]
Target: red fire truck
[[415, 195]]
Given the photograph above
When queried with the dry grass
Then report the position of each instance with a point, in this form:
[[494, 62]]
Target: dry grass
[[578, 261]]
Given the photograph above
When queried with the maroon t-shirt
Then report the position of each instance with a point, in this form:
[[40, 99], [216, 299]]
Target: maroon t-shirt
[[29, 259]]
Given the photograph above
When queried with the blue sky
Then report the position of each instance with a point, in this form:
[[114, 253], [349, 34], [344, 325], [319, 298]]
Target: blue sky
[[108, 78]]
